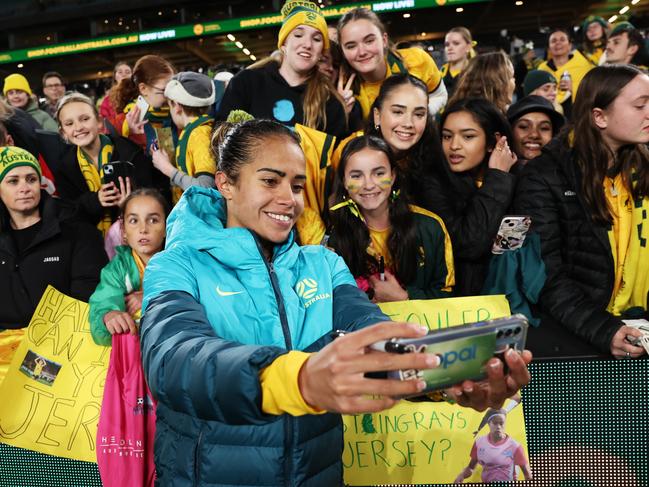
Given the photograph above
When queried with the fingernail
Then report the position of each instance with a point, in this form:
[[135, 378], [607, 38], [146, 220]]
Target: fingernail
[[509, 352], [422, 330], [421, 385], [432, 360], [468, 389]]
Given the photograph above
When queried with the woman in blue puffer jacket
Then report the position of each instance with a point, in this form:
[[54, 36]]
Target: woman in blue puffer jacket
[[236, 333]]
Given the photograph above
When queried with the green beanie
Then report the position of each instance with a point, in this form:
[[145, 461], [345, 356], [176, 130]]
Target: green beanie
[[535, 79], [620, 27], [11, 157], [591, 19]]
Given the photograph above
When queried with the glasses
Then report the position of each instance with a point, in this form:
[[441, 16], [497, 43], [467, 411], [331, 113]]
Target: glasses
[[56, 85], [157, 91]]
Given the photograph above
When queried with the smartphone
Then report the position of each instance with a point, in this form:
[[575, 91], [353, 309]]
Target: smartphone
[[511, 233], [113, 170], [143, 105], [463, 350]]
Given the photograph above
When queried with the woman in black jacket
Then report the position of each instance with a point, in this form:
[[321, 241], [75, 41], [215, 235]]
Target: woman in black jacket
[[38, 245], [473, 188], [587, 195]]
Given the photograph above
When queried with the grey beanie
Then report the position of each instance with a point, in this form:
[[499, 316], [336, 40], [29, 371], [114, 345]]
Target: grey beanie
[[191, 89]]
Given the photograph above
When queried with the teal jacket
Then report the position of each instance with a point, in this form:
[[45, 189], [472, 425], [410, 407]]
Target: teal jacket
[[216, 313], [119, 278]]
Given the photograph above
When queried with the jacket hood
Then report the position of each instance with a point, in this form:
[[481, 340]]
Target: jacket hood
[[198, 221]]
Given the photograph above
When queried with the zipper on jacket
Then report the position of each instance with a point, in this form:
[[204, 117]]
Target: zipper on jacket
[[288, 419], [197, 465]]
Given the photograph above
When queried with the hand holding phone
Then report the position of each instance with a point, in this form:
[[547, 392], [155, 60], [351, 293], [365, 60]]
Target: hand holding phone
[[143, 106], [112, 171], [463, 350]]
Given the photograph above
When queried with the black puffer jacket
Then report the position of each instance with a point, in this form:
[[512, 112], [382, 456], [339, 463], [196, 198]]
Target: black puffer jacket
[[472, 216], [68, 255], [577, 257], [71, 185]]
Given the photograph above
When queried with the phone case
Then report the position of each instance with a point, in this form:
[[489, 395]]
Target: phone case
[[511, 233], [464, 350], [143, 105], [113, 170]]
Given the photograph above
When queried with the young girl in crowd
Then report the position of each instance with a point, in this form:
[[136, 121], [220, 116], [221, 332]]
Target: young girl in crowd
[[458, 47], [368, 53], [489, 76], [395, 251], [401, 118], [115, 306], [473, 188], [151, 74], [594, 31], [534, 122], [236, 333], [292, 90], [121, 71], [79, 173], [587, 195], [190, 96]]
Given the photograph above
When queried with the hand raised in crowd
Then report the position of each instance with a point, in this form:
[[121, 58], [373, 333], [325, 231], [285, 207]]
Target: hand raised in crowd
[[387, 290], [161, 161], [118, 322], [333, 379], [135, 125], [623, 348], [345, 90], [502, 157], [498, 386], [110, 195], [133, 302]]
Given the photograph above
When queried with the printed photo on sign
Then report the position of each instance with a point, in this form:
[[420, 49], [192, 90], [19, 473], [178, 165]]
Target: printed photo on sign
[[39, 368]]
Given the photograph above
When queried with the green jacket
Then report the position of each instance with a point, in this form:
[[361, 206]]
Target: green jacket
[[42, 117], [120, 277], [435, 276]]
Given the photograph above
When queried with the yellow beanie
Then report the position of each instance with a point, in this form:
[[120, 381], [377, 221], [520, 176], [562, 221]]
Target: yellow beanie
[[16, 82], [296, 12], [12, 157]]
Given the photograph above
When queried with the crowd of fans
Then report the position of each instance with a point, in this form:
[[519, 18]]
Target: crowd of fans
[[403, 170]]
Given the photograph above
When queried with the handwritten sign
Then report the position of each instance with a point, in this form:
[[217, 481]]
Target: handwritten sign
[[424, 443], [53, 390]]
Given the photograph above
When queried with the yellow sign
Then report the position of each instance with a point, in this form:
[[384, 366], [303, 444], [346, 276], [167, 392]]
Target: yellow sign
[[427, 443], [54, 387]]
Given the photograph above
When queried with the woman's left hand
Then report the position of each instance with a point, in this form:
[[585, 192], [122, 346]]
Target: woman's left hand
[[135, 125], [498, 386], [502, 157], [623, 348], [388, 290]]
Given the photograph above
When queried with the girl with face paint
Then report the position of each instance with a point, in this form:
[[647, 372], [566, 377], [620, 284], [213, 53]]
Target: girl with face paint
[[238, 319], [395, 251]]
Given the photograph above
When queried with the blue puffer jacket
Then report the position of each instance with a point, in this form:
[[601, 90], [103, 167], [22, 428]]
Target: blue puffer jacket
[[216, 313]]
